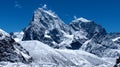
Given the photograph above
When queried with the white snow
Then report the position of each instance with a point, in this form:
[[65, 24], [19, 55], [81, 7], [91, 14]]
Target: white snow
[[18, 36], [67, 40], [86, 42], [39, 51], [50, 13], [46, 34], [111, 60], [80, 34], [81, 19], [115, 39], [68, 36], [23, 54], [45, 56]]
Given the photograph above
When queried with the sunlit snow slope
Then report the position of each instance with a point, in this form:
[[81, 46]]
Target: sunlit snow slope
[[43, 54]]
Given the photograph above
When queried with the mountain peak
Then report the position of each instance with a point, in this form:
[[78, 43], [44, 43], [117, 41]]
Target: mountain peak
[[46, 27], [81, 19], [44, 10]]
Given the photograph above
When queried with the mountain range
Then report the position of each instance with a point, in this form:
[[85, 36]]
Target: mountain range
[[48, 41]]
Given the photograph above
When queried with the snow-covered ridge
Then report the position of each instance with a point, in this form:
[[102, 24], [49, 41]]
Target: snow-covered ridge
[[3, 34], [49, 12], [81, 19], [115, 39]]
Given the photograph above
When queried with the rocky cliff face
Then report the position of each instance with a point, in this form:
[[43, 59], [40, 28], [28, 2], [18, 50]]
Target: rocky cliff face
[[12, 51]]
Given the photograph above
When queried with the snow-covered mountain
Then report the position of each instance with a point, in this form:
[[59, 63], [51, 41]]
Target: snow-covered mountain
[[48, 41], [46, 27], [89, 28], [84, 30], [81, 34]]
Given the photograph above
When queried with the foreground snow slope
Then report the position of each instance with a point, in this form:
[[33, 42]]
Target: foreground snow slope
[[43, 54]]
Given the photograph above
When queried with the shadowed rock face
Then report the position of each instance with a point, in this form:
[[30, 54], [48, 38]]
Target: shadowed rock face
[[12, 51], [75, 45], [117, 62], [91, 28]]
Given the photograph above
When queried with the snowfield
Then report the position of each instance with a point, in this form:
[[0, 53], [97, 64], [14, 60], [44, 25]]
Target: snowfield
[[45, 55]]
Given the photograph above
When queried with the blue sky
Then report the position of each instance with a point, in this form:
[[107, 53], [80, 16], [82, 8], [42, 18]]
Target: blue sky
[[16, 14]]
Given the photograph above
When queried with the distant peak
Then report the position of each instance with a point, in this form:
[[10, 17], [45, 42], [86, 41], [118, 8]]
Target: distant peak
[[80, 19]]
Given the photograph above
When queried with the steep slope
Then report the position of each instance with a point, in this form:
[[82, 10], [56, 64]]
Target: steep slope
[[89, 28], [94, 39], [83, 30], [11, 51], [46, 27], [45, 55]]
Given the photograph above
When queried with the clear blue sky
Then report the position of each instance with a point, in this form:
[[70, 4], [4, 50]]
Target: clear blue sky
[[16, 14]]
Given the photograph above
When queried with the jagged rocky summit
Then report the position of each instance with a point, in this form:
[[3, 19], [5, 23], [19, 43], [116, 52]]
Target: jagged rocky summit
[[47, 28]]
